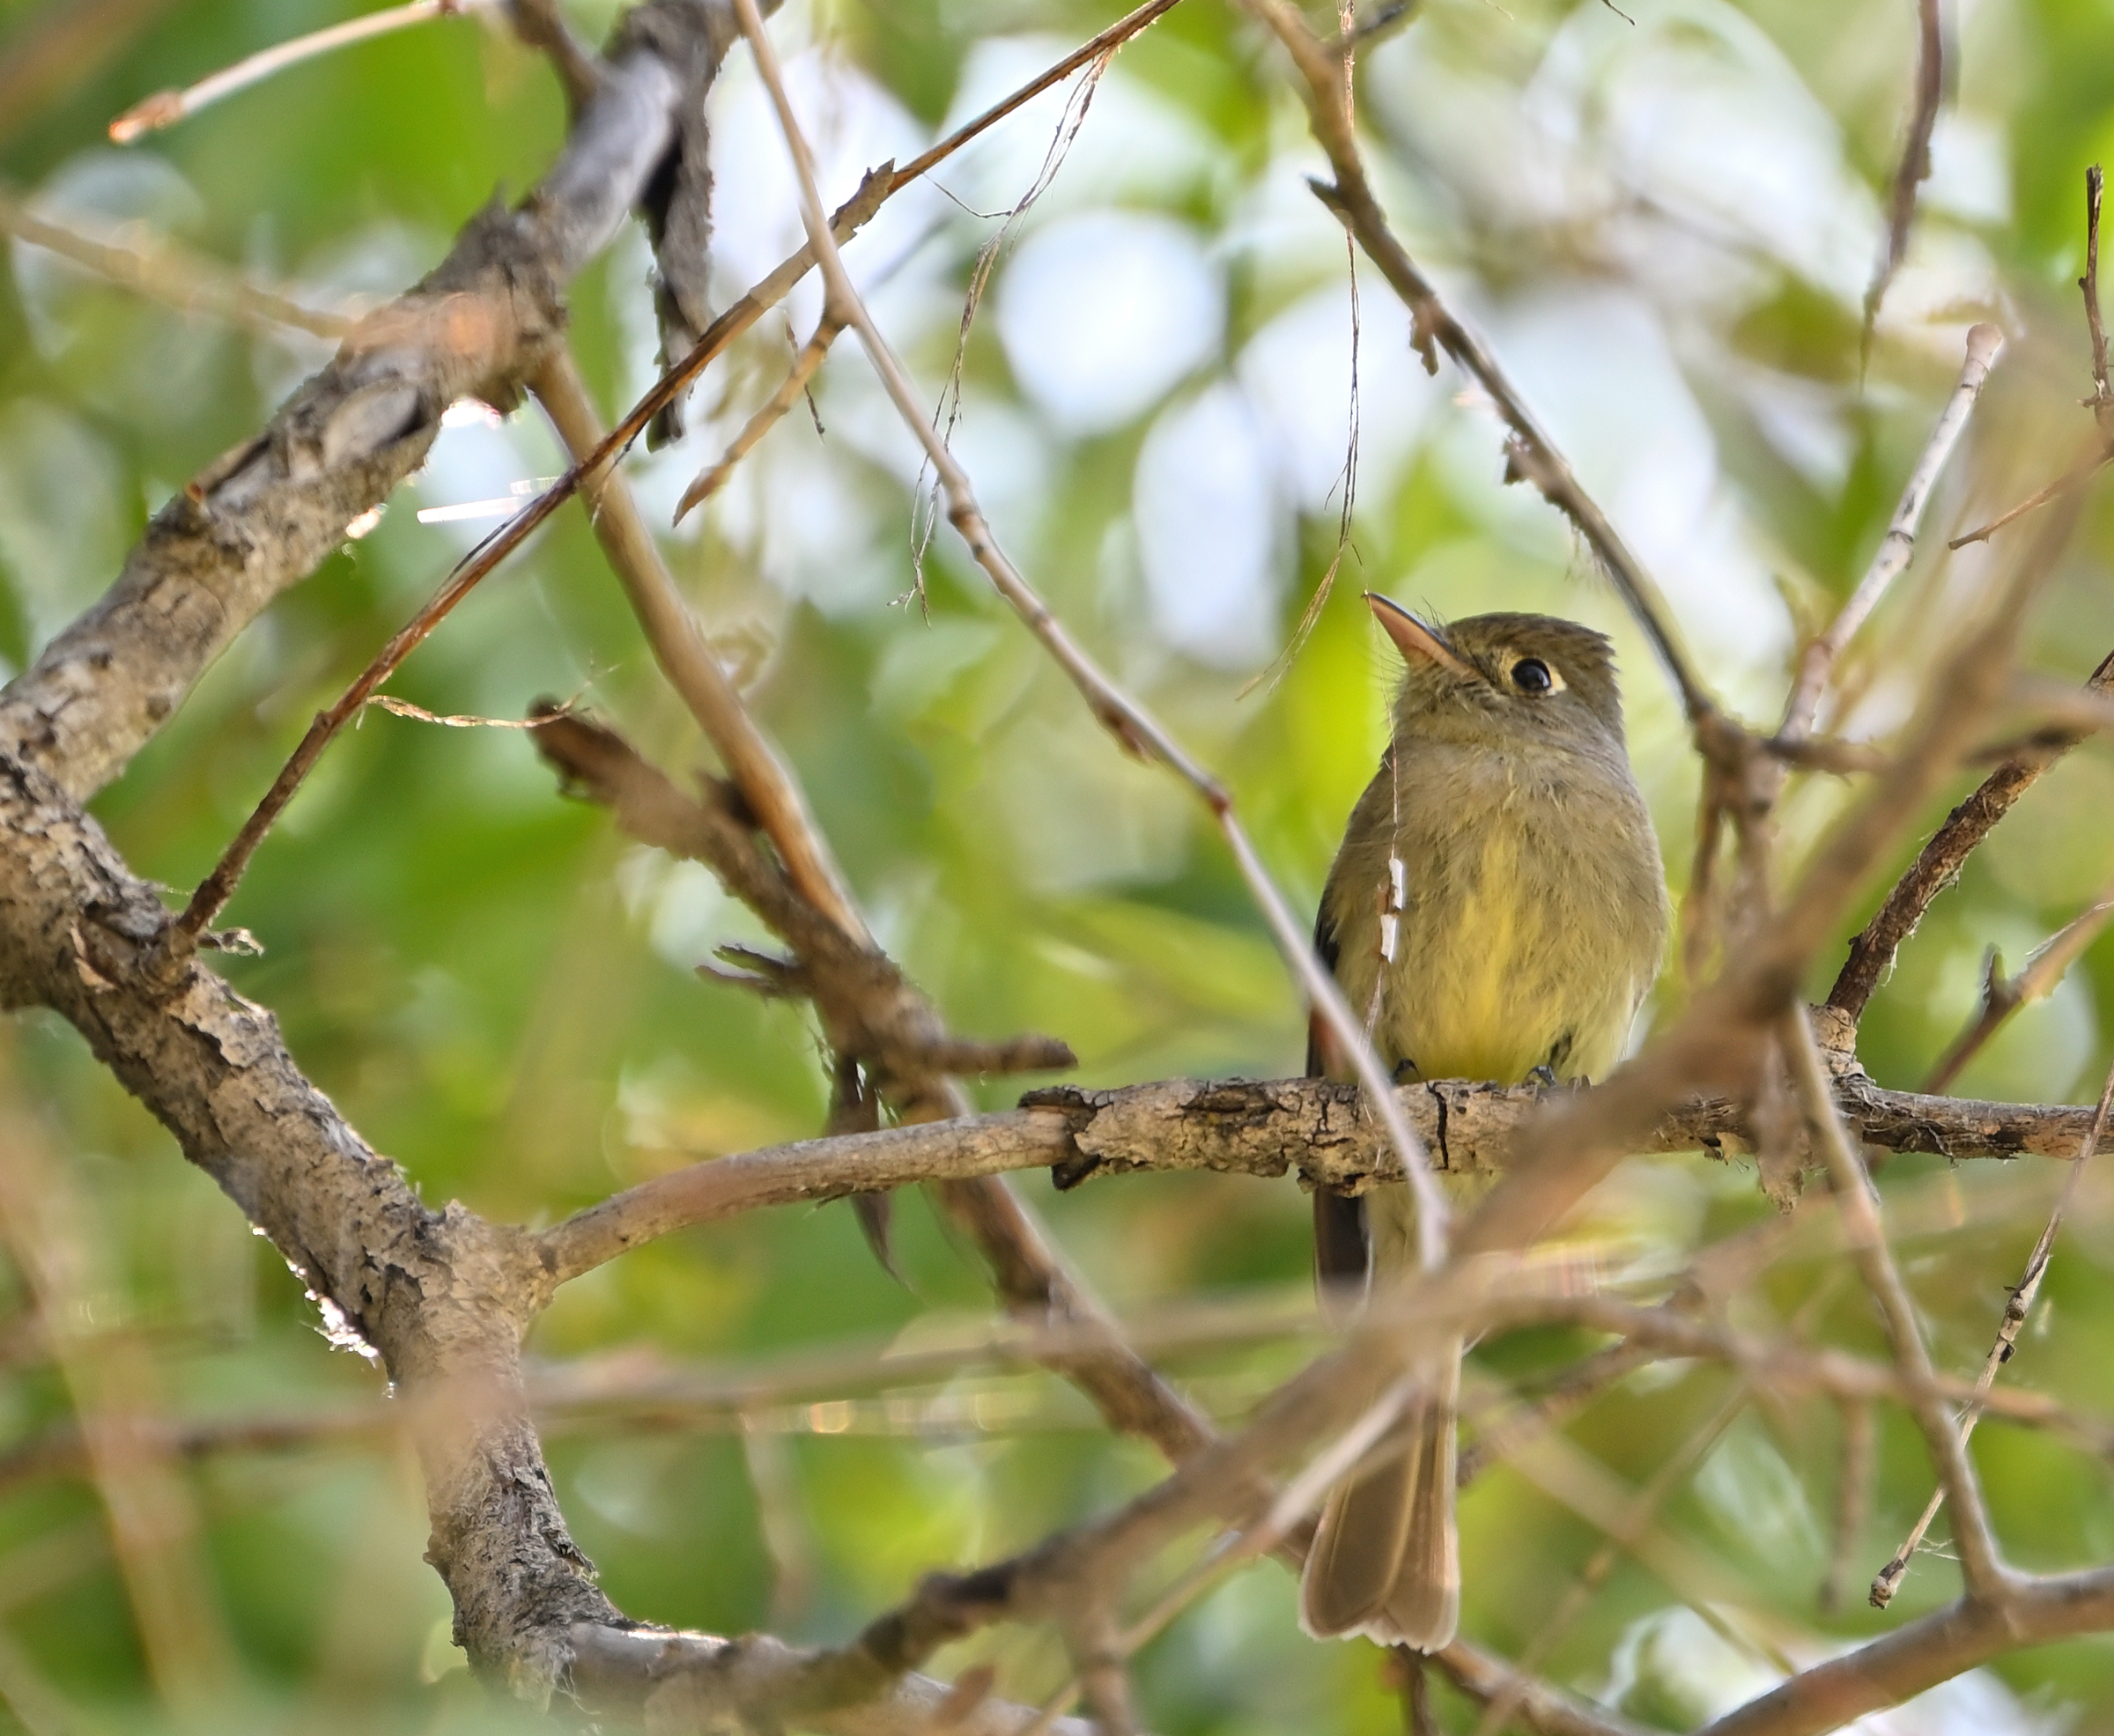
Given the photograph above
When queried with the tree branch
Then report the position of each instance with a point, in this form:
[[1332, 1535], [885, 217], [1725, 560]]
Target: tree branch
[[1531, 452], [260, 519], [1915, 165], [1311, 1128], [1940, 862], [1988, 1579], [1132, 726], [694, 1681]]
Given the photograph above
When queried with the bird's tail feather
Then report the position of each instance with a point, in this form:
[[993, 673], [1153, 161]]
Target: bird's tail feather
[[1385, 1560]]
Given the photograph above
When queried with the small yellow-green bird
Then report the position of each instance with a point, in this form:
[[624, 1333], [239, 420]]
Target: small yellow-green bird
[[1496, 912]]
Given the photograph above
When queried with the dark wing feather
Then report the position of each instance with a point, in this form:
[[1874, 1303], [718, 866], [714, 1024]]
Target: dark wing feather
[[1340, 1256]]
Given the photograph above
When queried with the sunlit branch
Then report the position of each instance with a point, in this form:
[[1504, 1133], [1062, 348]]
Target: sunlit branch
[[1915, 166], [2003, 996], [130, 257], [1133, 726], [165, 108], [1982, 1567], [2019, 1305], [1984, 344]]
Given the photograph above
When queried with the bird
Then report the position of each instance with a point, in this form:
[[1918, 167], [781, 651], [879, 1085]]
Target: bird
[[1497, 911]]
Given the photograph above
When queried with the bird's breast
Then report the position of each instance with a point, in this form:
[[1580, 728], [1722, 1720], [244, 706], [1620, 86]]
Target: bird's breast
[[1529, 921]]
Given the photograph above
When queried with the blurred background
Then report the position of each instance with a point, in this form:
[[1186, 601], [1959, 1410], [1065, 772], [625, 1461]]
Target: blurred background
[[1663, 217]]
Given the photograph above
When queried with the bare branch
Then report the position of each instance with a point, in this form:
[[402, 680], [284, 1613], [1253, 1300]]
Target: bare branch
[[860, 994], [1530, 453], [2102, 400], [767, 787], [2094, 460], [1121, 715], [1915, 168], [1984, 344], [263, 517], [805, 367], [2015, 1312], [1546, 1710], [687, 1679], [1307, 1127], [1987, 1579], [165, 108], [154, 266], [2002, 996], [1919, 1655], [1940, 862]]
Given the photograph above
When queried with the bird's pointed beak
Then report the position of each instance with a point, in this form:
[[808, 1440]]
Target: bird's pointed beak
[[1412, 639]]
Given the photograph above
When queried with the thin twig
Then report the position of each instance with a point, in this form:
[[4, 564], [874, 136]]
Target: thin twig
[[753, 763], [2096, 460], [1984, 344], [1982, 1567], [1530, 452], [879, 185], [2102, 400], [2015, 1312], [2002, 996], [1131, 725], [165, 108], [805, 367], [1940, 862], [2101, 403], [1915, 165], [132, 257], [1641, 1510], [1855, 1476]]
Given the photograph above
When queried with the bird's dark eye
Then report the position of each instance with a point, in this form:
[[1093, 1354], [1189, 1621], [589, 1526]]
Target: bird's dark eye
[[1530, 674]]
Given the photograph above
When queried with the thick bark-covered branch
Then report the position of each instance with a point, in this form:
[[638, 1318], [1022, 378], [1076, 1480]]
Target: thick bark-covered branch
[[261, 518], [441, 1296], [868, 1011], [1920, 1656], [1308, 1127]]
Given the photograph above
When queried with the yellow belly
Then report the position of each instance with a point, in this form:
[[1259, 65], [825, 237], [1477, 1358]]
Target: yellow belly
[[1486, 983]]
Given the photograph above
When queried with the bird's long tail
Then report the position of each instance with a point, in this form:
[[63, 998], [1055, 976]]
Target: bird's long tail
[[1385, 1560]]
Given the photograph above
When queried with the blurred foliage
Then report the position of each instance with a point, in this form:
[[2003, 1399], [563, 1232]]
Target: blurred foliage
[[1664, 217]]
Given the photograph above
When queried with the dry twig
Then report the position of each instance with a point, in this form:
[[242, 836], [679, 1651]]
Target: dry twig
[[165, 108], [1116, 711], [1988, 1579], [2015, 1312], [2003, 996], [805, 367], [1940, 862], [1915, 166], [151, 265], [1984, 344]]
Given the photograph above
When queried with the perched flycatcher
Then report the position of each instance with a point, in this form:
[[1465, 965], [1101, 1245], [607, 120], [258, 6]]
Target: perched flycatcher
[[1496, 912]]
